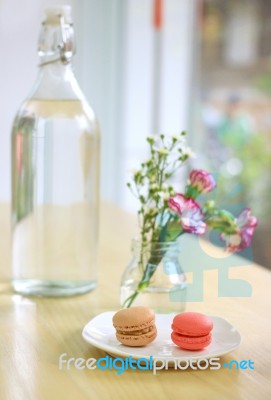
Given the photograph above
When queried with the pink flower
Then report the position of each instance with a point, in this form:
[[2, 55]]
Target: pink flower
[[202, 180], [240, 240], [190, 213]]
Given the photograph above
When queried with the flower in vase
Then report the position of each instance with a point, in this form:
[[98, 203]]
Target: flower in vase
[[165, 215], [192, 218], [241, 239], [202, 181]]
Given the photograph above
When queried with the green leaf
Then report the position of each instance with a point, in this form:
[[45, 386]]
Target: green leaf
[[191, 192], [171, 230]]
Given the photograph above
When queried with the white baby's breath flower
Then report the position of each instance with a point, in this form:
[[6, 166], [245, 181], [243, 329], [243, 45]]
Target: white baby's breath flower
[[153, 210], [153, 138], [166, 196], [178, 138], [161, 150], [154, 186], [189, 152], [160, 194]]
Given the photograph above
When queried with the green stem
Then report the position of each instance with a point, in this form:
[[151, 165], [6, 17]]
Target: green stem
[[152, 264], [128, 302]]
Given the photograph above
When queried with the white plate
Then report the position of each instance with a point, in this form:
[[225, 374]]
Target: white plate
[[100, 333]]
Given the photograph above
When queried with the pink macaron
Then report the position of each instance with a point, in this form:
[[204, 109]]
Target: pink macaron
[[191, 330]]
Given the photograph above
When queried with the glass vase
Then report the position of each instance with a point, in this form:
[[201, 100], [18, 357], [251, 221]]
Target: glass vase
[[154, 278]]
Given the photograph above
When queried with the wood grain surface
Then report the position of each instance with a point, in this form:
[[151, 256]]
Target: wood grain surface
[[35, 332]]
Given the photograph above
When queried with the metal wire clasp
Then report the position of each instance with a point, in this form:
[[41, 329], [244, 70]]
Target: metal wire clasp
[[66, 45]]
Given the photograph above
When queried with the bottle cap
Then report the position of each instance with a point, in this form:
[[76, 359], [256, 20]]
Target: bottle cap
[[53, 14]]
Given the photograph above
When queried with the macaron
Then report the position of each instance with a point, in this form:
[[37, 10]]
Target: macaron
[[135, 326], [192, 331]]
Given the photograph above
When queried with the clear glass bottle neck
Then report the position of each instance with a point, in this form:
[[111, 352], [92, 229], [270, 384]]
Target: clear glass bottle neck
[[56, 79]]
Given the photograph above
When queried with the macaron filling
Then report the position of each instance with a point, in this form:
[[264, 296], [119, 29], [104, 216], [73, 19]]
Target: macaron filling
[[192, 339], [136, 333], [183, 332]]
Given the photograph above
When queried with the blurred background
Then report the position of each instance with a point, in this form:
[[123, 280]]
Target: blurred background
[[149, 66]]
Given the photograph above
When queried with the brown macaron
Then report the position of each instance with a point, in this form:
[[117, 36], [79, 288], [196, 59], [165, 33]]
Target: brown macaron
[[135, 326]]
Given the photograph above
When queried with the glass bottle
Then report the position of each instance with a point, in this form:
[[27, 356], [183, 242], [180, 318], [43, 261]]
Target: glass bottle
[[166, 290], [55, 174]]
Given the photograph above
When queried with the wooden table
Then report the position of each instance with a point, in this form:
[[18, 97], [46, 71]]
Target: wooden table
[[35, 332]]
